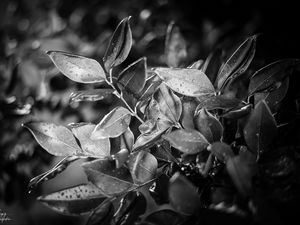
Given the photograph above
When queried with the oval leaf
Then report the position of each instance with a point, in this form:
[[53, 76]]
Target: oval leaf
[[187, 141], [113, 124], [75, 200], [151, 85], [221, 150], [119, 45], [164, 217], [212, 65], [77, 68], [55, 139], [218, 102], [188, 111], [189, 82], [91, 95], [102, 214]]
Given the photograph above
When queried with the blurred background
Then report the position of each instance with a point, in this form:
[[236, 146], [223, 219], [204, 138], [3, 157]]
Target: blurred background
[[31, 88]]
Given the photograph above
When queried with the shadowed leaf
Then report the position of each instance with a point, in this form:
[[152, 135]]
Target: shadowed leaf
[[102, 214], [221, 150], [163, 217], [219, 102], [151, 85], [188, 111]]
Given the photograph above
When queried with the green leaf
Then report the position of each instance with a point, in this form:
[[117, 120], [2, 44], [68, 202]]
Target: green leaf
[[133, 78], [187, 141], [175, 46], [119, 46], [77, 68], [219, 102], [163, 217], [268, 76], [238, 62], [221, 150], [148, 139], [127, 139], [110, 180], [55, 139], [121, 157], [196, 65], [169, 104], [99, 148], [261, 129], [142, 166], [189, 82], [209, 126], [102, 214], [91, 95], [147, 126], [183, 195], [238, 113], [76, 200], [113, 124], [151, 85], [188, 110]]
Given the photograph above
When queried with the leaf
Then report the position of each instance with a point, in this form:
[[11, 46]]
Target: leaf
[[188, 111], [189, 82], [212, 64], [169, 104], [55, 139], [57, 169], [142, 166], [238, 113], [119, 46], [238, 62], [151, 85], [121, 157], [183, 195], [196, 65], [164, 217], [219, 102], [75, 200], [209, 126], [77, 68], [148, 139], [260, 129], [133, 78], [102, 214], [91, 95], [99, 148], [113, 124], [175, 46], [147, 126], [269, 75], [127, 139], [187, 141], [110, 180], [221, 150]]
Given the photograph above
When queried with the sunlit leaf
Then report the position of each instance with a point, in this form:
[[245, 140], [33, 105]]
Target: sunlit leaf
[[268, 76], [133, 78], [209, 126], [188, 111], [189, 82], [238, 62], [99, 148], [147, 126], [183, 195], [221, 150], [219, 102], [102, 214], [260, 129], [113, 124], [55, 139], [142, 166], [121, 157], [187, 141], [91, 95], [238, 113], [175, 46], [119, 45], [75, 200], [109, 179], [78, 68]]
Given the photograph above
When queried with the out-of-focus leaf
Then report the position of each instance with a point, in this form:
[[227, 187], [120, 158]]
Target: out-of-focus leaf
[[268, 76], [57, 169], [196, 65], [151, 85], [183, 195], [78, 68], [142, 166], [188, 111], [209, 126], [241, 169], [55, 139], [113, 124], [158, 190], [75, 200], [273, 98], [238, 113], [102, 214], [221, 150], [260, 129], [219, 102], [131, 207], [163, 217], [212, 64], [111, 180], [175, 46], [238, 62], [187, 141], [189, 82], [133, 78], [127, 139], [99, 148], [91, 95], [147, 139], [119, 45], [169, 103]]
